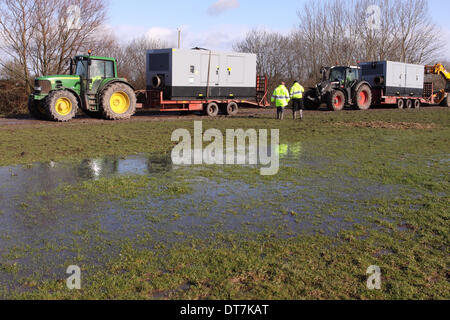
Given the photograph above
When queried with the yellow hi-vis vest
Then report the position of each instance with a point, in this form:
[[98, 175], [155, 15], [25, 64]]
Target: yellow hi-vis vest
[[297, 91], [281, 96]]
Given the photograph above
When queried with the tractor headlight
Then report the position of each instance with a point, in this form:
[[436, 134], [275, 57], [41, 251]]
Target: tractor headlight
[[37, 89]]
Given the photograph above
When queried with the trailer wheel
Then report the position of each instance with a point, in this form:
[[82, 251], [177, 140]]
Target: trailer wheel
[[448, 100], [61, 105], [363, 97], [336, 100], [400, 103], [409, 104], [118, 101], [417, 104], [212, 109], [232, 109]]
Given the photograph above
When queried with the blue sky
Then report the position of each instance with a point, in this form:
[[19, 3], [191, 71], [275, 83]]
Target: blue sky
[[218, 23]]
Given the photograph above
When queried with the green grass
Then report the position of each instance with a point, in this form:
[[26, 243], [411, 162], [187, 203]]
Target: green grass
[[25, 144], [410, 242]]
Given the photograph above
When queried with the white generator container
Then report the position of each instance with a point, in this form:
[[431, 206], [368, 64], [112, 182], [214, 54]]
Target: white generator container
[[201, 74], [395, 78]]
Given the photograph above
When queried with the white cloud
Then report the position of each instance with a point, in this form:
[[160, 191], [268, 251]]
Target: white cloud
[[220, 6]]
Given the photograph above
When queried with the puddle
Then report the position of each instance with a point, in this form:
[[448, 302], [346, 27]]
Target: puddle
[[40, 233]]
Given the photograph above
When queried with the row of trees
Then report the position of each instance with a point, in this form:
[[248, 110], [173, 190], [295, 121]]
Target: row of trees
[[331, 32], [39, 37]]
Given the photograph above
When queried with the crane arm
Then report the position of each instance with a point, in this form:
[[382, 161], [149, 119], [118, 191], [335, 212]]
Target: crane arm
[[438, 69]]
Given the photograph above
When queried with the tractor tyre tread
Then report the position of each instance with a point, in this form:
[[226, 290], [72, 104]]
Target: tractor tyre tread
[[50, 103], [105, 108]]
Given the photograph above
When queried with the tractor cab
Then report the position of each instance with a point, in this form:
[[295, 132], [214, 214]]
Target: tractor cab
[[93, 70], [341, 75]]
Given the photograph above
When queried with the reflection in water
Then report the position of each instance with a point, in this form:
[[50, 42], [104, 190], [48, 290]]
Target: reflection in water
[[97, 168]]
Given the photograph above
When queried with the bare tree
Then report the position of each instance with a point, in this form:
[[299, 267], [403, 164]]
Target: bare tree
[[57, 37], [272, 50], [333, 32], [16, 32], [134, 62]]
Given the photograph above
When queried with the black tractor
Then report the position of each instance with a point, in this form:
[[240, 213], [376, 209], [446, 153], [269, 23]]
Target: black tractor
[[341, 86]]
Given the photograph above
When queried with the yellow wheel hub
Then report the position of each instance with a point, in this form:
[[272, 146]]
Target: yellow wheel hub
[[119, 102], [63, 106]]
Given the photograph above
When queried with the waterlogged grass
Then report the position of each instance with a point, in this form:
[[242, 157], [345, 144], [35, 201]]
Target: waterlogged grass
[[413, 265], [382, 176]]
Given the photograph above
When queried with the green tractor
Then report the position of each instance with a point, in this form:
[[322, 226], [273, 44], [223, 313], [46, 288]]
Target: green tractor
[[92, 86]]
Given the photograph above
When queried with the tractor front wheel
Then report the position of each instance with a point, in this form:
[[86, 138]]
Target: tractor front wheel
[[308, 98], [336, 100], [118, 102], [363, 97], [36, 109], [61, 105]]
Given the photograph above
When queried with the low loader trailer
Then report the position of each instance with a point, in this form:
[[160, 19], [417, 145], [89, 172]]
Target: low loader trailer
[[202, 80], [404, 85], [177, 80]]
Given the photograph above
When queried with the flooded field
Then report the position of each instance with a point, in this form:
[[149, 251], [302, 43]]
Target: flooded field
[[45, 223]]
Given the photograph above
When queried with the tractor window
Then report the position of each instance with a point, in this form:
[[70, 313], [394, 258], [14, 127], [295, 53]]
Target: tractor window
[[337, 74], [352, 75], [81, 68], [97, 70], [109, 69]]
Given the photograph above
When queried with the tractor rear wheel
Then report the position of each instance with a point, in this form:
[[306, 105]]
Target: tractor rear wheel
[[232, 109], [61, 105], [336, 100], [36, 109], [118, 102], [363, 97], [212, 109]]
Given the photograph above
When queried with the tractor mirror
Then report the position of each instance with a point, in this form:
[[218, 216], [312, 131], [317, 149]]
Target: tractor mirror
[[71, 65]]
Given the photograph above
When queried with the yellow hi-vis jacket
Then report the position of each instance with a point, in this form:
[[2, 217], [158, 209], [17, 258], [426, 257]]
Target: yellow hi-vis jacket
[[281, 96], [297, 91]]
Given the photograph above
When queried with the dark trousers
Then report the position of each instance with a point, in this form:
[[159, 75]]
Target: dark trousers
[[280, 113], [297, 104]]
